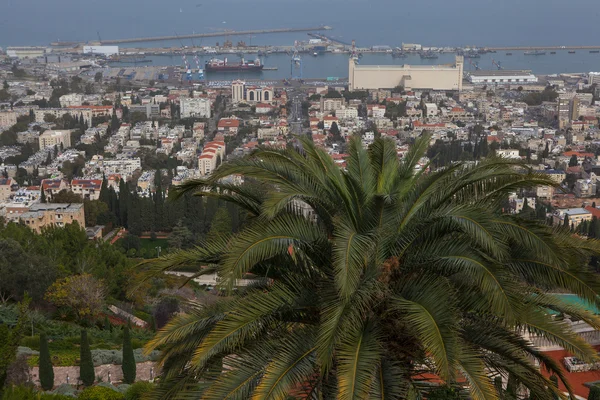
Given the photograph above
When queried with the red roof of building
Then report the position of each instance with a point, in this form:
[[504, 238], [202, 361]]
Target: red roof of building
[[229, 123], [51, 183], [578, 154], [575, 379], [206, 156], [87, 183], [330, 118], [457, 109]]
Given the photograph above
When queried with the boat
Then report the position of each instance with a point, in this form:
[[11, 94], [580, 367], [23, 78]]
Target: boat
[[472, 54], [535, 53], [571, 51], [428, 55], [594, 51], [552, 52], [509, 54], [216, 65], [315, 54]]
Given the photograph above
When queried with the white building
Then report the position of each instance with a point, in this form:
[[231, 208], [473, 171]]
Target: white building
[[55, 138], [71, 99], [502, 77], [25, 52], [431, 110], [101, 50], [508, 153], [195, 107], [346, 113], [7, 119]]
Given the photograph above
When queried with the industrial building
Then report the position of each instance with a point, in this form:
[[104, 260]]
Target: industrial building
[[431, 77], [22, 52], [101, 50], [501, 77]]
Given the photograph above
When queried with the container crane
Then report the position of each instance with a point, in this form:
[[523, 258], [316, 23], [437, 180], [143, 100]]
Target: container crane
[[188, 70], [497, 64], [197, 60]]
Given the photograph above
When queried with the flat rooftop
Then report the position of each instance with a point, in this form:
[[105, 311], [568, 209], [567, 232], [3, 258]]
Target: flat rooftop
[[406, 66], [55, 207], [500, 73]]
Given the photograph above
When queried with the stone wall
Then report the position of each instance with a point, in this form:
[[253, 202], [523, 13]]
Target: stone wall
[[145, 371]]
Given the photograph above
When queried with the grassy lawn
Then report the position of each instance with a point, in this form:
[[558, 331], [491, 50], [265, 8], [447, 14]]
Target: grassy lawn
[[150, 246]]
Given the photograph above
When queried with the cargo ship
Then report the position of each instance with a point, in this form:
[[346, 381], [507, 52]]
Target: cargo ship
[[216, 65]]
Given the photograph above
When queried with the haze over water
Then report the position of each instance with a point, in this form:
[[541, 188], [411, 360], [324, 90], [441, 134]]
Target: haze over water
[[370, 22]]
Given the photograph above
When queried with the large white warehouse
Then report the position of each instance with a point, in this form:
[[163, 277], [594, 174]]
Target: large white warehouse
[[432, 77], [501, 77]]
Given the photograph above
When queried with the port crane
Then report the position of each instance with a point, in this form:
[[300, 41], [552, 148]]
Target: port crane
[[497, 64], [197, 60], [354, 53], [296, 63], [188, 70], [474, 64]]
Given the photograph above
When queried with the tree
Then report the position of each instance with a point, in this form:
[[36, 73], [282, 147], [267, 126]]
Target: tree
[[86, 364], [66, 196], [594, 393], [181, 237], [5, 85], [46, 370], [79, 295], [573, 161], [10, 338], [221, 223], [98, 77], [128, 366], [43, 197], [365, 274]]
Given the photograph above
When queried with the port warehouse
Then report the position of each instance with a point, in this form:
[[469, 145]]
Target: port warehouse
[[501, 77], [433, 77]]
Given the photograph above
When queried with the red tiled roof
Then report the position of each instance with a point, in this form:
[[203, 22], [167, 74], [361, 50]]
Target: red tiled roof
[[578, 154], [229, 123], [575, 379]]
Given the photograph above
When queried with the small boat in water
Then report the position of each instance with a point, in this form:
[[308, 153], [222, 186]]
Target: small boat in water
[[594, 51], [552, 52], [572, 52], [509, 54]]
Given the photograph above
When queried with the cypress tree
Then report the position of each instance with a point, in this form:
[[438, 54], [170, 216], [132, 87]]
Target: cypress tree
[[86, 365], [45, 365], [594, 393], [128, 366]]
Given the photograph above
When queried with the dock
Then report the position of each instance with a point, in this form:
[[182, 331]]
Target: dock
[[206, 35]]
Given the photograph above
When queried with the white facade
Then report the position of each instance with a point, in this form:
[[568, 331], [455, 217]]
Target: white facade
[[501, 77], [25, 52], [195, 107], [103, 50], [55, 138], [7, 119], [71, 99], [346, 113]]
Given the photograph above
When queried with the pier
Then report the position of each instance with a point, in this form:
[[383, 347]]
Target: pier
[[549, 48], [211, 34]]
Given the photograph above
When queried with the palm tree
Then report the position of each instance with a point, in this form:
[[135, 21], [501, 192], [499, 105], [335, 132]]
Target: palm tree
[[371, 278]]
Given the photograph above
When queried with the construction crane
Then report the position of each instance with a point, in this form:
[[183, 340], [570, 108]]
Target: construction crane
[[296, 63], [474, 65], [497, 64]]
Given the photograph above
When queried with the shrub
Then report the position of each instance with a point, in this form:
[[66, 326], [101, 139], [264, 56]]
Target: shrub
[[45, 364], [28, 393], [66, 390], [100, 393], [137, 390], [101, 357]]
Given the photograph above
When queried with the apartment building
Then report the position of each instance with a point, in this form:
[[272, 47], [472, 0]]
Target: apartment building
[[5, 188], [7, 119], [88, 189], [209, 159], [45, 215], [52, 138], [195, 107]]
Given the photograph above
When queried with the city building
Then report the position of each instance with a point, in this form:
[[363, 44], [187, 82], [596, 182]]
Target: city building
[[53, 186], [78, 113], [212, 154], [431, 110], [88, 189], [101, 50], [250, 94], [45, 215], [5, 188], [7, 119], [150, 110], [432, 77], [501, 77], [585, 188], [346, 113], [228, 125], [25, 52], [51, 138], [195, 107], [333, 104], [575, 216]]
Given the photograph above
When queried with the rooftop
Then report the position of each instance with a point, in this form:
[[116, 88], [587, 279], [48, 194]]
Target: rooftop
[[500, 73]]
